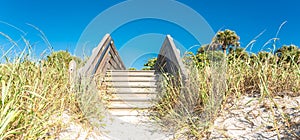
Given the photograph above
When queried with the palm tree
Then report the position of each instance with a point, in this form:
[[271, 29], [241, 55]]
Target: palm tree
[[227, 39]]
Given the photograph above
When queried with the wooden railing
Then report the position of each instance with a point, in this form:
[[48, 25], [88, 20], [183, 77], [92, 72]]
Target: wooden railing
[[169, 60], [104, 57], [86, 80]]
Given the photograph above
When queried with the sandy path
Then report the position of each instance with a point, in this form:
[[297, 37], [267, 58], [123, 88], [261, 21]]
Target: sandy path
[[117, 128], [132, 128]]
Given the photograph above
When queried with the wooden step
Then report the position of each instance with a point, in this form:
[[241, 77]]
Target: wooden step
[[132, 84], [130, 73], [137, 71], [130, 79], [133, 97], [132, 90]]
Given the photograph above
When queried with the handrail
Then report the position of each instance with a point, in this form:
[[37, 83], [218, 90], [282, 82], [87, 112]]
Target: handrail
[[169, 61], [104, 57]]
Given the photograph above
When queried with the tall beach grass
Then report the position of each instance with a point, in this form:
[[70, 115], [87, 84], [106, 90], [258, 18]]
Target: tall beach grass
[[211, 86], [36, 95]]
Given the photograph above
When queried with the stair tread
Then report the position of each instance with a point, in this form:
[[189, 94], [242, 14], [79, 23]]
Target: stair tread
[[131, 70], [131, 89], [131, 75], [130, 78], [137, 86], [134, 92], [131, 97], [132, 100], [129, 105]]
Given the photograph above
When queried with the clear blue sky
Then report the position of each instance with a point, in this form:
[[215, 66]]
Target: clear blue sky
[[63, 21]]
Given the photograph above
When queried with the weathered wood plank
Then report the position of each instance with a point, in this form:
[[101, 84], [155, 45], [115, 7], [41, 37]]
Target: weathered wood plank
[[117, 58], [169, 60], [89, 67], [104, 57]]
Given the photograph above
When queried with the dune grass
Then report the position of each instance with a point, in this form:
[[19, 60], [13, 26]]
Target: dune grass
[[37, 95], [191, 112], [38, 98], [31, 94]]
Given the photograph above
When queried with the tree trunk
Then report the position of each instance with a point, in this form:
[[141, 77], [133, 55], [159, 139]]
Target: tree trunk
[[225, 52], [224, 47]]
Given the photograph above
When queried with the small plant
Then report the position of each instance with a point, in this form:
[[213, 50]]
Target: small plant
[[131, 68], [150, 64]]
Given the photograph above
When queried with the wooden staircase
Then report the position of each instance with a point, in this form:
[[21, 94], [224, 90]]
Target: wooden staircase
[[133, 91]]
